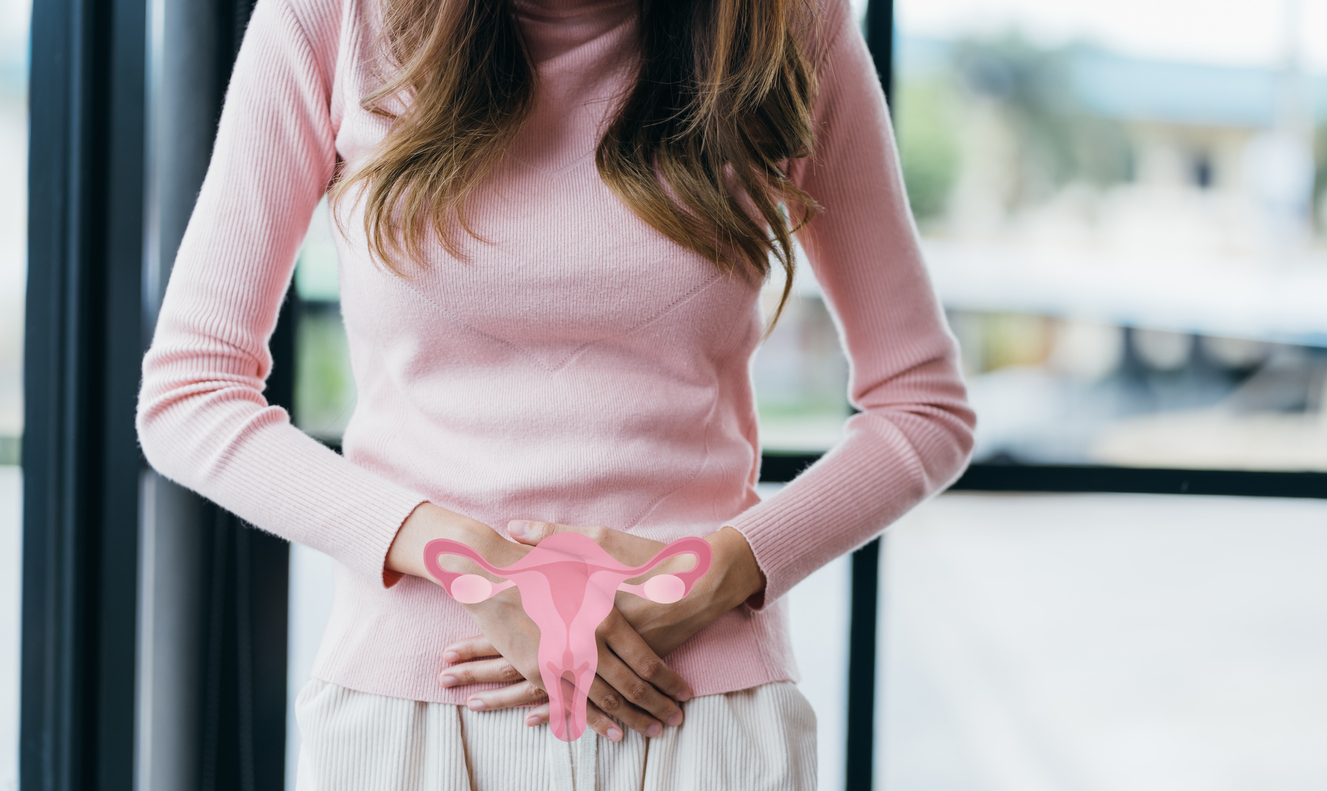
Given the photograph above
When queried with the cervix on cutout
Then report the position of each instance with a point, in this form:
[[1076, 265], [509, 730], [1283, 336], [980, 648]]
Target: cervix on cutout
[[567, 584]]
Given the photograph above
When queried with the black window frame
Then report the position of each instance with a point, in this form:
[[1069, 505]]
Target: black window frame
[[106, 211]]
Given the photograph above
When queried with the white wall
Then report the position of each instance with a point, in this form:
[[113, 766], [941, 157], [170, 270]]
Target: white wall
[[1105, 643], [11, 582]]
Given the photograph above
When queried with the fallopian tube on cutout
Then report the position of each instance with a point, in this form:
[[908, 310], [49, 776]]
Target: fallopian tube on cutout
[[567, 584]]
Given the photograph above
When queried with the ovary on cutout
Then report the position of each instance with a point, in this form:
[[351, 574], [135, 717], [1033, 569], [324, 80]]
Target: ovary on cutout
[[567, 584]]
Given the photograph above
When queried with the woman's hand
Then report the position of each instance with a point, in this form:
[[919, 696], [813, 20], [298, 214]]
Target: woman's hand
[[733, 578], [632, 683], [429, 521]]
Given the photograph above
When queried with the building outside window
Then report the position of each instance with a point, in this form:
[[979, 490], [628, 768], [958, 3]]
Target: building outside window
[[1122, 206]]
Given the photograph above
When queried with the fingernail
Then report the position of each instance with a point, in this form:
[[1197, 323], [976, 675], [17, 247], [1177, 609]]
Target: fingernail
[[447, 681], [676, 719], [654, 730], [517, 527], [533, 719], [451, 656], [614, 734], [475, 705], [685, 696]]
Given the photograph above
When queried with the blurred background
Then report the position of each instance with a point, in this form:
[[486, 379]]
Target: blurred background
[[1123, 205], [1123, 208], [14, 17]]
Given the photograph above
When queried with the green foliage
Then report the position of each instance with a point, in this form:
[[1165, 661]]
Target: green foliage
[[1319, 174], [324, 384], [928, 144], [1059, 140], [11, 450]]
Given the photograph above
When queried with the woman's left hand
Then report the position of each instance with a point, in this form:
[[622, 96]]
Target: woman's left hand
[[732, 579]]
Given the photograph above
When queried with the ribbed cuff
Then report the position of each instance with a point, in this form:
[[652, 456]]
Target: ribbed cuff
[[286, 482], [408, 504], [833, 507]]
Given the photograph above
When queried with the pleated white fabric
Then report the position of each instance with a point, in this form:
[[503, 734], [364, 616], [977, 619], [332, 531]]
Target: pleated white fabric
[[757, 739]]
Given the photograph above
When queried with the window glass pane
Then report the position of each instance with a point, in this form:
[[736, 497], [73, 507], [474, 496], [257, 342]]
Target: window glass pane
[[13, 287], [1122, 207], [1128, 642], [859, 9], [310, 603], [799, 372], [324, 385]]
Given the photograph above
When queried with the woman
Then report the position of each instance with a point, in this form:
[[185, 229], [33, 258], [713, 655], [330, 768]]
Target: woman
[[553, 221]]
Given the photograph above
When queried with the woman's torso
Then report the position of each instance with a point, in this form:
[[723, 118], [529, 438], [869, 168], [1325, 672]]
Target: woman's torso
[[579, 368]]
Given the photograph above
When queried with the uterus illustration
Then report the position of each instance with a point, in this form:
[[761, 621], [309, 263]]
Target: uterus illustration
[[567, 584]]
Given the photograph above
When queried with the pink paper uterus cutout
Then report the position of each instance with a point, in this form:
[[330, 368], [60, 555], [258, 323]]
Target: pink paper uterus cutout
[[567, 584]]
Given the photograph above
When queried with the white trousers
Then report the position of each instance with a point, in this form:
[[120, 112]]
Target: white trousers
[[753, 739]]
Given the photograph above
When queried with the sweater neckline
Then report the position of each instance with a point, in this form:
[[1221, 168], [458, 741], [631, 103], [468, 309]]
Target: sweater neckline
[[584, 28], [568, 9]]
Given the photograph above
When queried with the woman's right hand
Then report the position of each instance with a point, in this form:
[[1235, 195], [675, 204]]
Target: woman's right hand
[[617, 687], [625, 660]]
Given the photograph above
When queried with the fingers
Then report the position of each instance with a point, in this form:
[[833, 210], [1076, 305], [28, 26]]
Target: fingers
[[602, 699], [523, 694], [633, 684], [469, 649], [520, 690], [627, 643], [616, 703], [649, 709], [595, 720], [602, 724], [481, 671], [540, 714], [532, 532]]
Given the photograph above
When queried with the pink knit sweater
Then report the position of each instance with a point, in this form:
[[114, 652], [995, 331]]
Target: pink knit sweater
[[580, 368]]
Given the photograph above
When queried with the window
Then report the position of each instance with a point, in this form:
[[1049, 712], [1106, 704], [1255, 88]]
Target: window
[[13, 278], [1122, 209], [1122, 206], [800, 372]]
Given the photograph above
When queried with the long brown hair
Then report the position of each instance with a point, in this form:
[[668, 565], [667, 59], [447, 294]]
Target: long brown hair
[[721, 101]]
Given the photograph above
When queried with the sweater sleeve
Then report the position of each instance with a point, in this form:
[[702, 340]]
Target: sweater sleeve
[[913, 434], [202, 419]]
